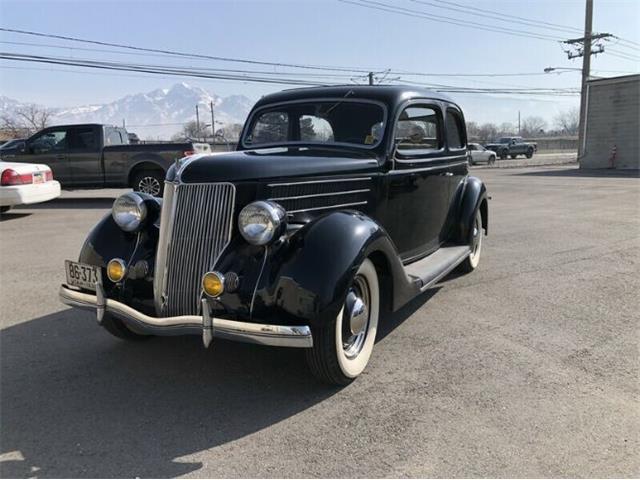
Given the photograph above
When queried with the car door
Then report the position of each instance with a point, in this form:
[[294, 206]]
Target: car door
[[417, 190], [85, 156], [50, 146]]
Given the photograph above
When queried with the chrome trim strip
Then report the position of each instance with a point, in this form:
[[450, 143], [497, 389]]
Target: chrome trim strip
[[264, 334], [432, 159], [328, 206], [426, 169], [349, 192], [331, 180]]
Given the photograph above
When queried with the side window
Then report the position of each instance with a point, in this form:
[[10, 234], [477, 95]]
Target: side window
[[83, 138], [50, 141], [418, 131], [270, 127], [315, 129], [472, 146], [455, 135], [112, 137]]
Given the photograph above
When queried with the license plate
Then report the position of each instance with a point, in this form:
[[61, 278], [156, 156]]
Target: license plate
[[38, 177], [81, 274]]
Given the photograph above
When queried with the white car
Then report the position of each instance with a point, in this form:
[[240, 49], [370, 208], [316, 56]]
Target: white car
[[25, 183], [479, 154]]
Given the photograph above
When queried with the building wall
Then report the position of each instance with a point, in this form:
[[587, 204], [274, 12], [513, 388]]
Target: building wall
[[613, 120]]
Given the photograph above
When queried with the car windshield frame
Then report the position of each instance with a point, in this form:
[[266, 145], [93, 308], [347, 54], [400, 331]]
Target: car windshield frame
[[250, 124]]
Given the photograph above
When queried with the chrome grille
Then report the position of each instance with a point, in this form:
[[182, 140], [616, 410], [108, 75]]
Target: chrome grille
[[195, 226]]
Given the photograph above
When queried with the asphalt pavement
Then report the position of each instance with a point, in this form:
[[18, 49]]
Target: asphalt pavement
[[528, 367]]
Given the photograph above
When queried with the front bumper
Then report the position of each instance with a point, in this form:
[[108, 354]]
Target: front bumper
[[205, 325]]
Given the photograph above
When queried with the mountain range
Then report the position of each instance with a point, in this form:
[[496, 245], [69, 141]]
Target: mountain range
[[158, 114]]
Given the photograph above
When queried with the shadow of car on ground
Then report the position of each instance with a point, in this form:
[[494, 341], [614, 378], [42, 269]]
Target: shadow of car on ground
[[79, 403]]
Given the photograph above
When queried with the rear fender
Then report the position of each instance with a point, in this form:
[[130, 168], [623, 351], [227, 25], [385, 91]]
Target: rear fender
[[473, 197]]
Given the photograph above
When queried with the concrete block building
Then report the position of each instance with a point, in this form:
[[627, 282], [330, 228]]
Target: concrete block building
[[613, 123]]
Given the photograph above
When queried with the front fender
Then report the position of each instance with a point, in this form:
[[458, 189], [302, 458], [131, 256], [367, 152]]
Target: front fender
[[308, 277], [473, 197]]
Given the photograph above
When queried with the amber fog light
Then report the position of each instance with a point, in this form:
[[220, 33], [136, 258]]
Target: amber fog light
[[213, 284], [116, 270]]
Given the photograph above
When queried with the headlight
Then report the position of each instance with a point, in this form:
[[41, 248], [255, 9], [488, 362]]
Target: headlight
[[129, 211], [260, 222]]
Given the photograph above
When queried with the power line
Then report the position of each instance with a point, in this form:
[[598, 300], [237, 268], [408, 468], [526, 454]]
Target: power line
[[186, 54], [501, 17], [502, 14], [158, 69], [371, 4]]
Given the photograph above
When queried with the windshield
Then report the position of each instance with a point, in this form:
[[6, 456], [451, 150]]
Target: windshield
[[325, 122], [504, 140]]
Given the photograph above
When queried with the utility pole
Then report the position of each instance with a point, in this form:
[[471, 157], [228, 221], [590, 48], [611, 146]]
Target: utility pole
[[370, 78], [586, 70], [197, 120], [213, 125], [585, 48], [518, 122]]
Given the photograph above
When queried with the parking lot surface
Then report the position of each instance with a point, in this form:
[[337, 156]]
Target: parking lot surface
[[527, 367]]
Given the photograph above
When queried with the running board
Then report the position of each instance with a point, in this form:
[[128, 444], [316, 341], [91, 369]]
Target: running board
[[426, 272]]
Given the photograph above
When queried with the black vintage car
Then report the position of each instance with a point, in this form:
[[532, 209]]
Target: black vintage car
[[341, 203]]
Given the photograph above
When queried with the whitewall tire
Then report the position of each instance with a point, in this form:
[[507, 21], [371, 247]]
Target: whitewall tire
[[342, 348]]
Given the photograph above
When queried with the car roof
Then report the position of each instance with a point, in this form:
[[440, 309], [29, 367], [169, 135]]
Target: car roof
[[388, 94]]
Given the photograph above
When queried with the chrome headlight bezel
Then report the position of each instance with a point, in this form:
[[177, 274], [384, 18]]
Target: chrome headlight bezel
[[262, 222], [129, 211]]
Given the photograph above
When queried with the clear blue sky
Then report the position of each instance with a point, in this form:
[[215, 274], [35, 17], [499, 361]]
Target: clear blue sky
[[323, 32]]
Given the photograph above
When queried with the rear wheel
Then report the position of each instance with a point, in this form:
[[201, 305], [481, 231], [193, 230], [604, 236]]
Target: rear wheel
[[529, 153], [492, 160], [503, 154], [514, 156], [5, 209], [471, 262], [342, 348], [149, 181]]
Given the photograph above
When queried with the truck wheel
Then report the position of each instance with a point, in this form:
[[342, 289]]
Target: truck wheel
[[117, 328], [492, 160], [529, 153], [149, 181], [342, 348], [471, 262], [513, 156], [5, 209], [503, 155]]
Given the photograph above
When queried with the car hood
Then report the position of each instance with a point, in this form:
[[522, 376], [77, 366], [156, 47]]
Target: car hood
[[272, 163]]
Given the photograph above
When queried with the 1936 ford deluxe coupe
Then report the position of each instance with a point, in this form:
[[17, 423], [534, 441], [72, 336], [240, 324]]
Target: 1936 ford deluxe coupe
[[339, 204]]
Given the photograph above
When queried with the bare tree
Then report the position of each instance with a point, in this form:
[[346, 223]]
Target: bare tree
[[12, 127], [33, 118], [190, 131], [532, 126], [567, 122]]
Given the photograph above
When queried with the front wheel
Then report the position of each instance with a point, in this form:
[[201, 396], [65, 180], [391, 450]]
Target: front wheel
[[529, 153], [342, 348], [5, 209], [503, 155], [514, 156], [471, 262]]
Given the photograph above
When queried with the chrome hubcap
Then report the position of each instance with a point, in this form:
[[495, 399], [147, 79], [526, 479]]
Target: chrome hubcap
[[355, 319], [476, 237], [149, 185]]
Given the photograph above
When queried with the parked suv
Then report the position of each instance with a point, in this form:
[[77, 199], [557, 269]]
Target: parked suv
[[340, 204]]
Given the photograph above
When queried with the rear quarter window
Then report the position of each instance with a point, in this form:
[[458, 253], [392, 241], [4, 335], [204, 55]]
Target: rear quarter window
[[455, 130]]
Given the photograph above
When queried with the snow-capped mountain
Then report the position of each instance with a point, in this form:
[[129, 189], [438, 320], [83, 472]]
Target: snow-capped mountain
[[158, 114]]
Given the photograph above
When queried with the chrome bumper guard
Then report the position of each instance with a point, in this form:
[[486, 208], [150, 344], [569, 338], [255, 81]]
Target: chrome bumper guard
[[206, 325]]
